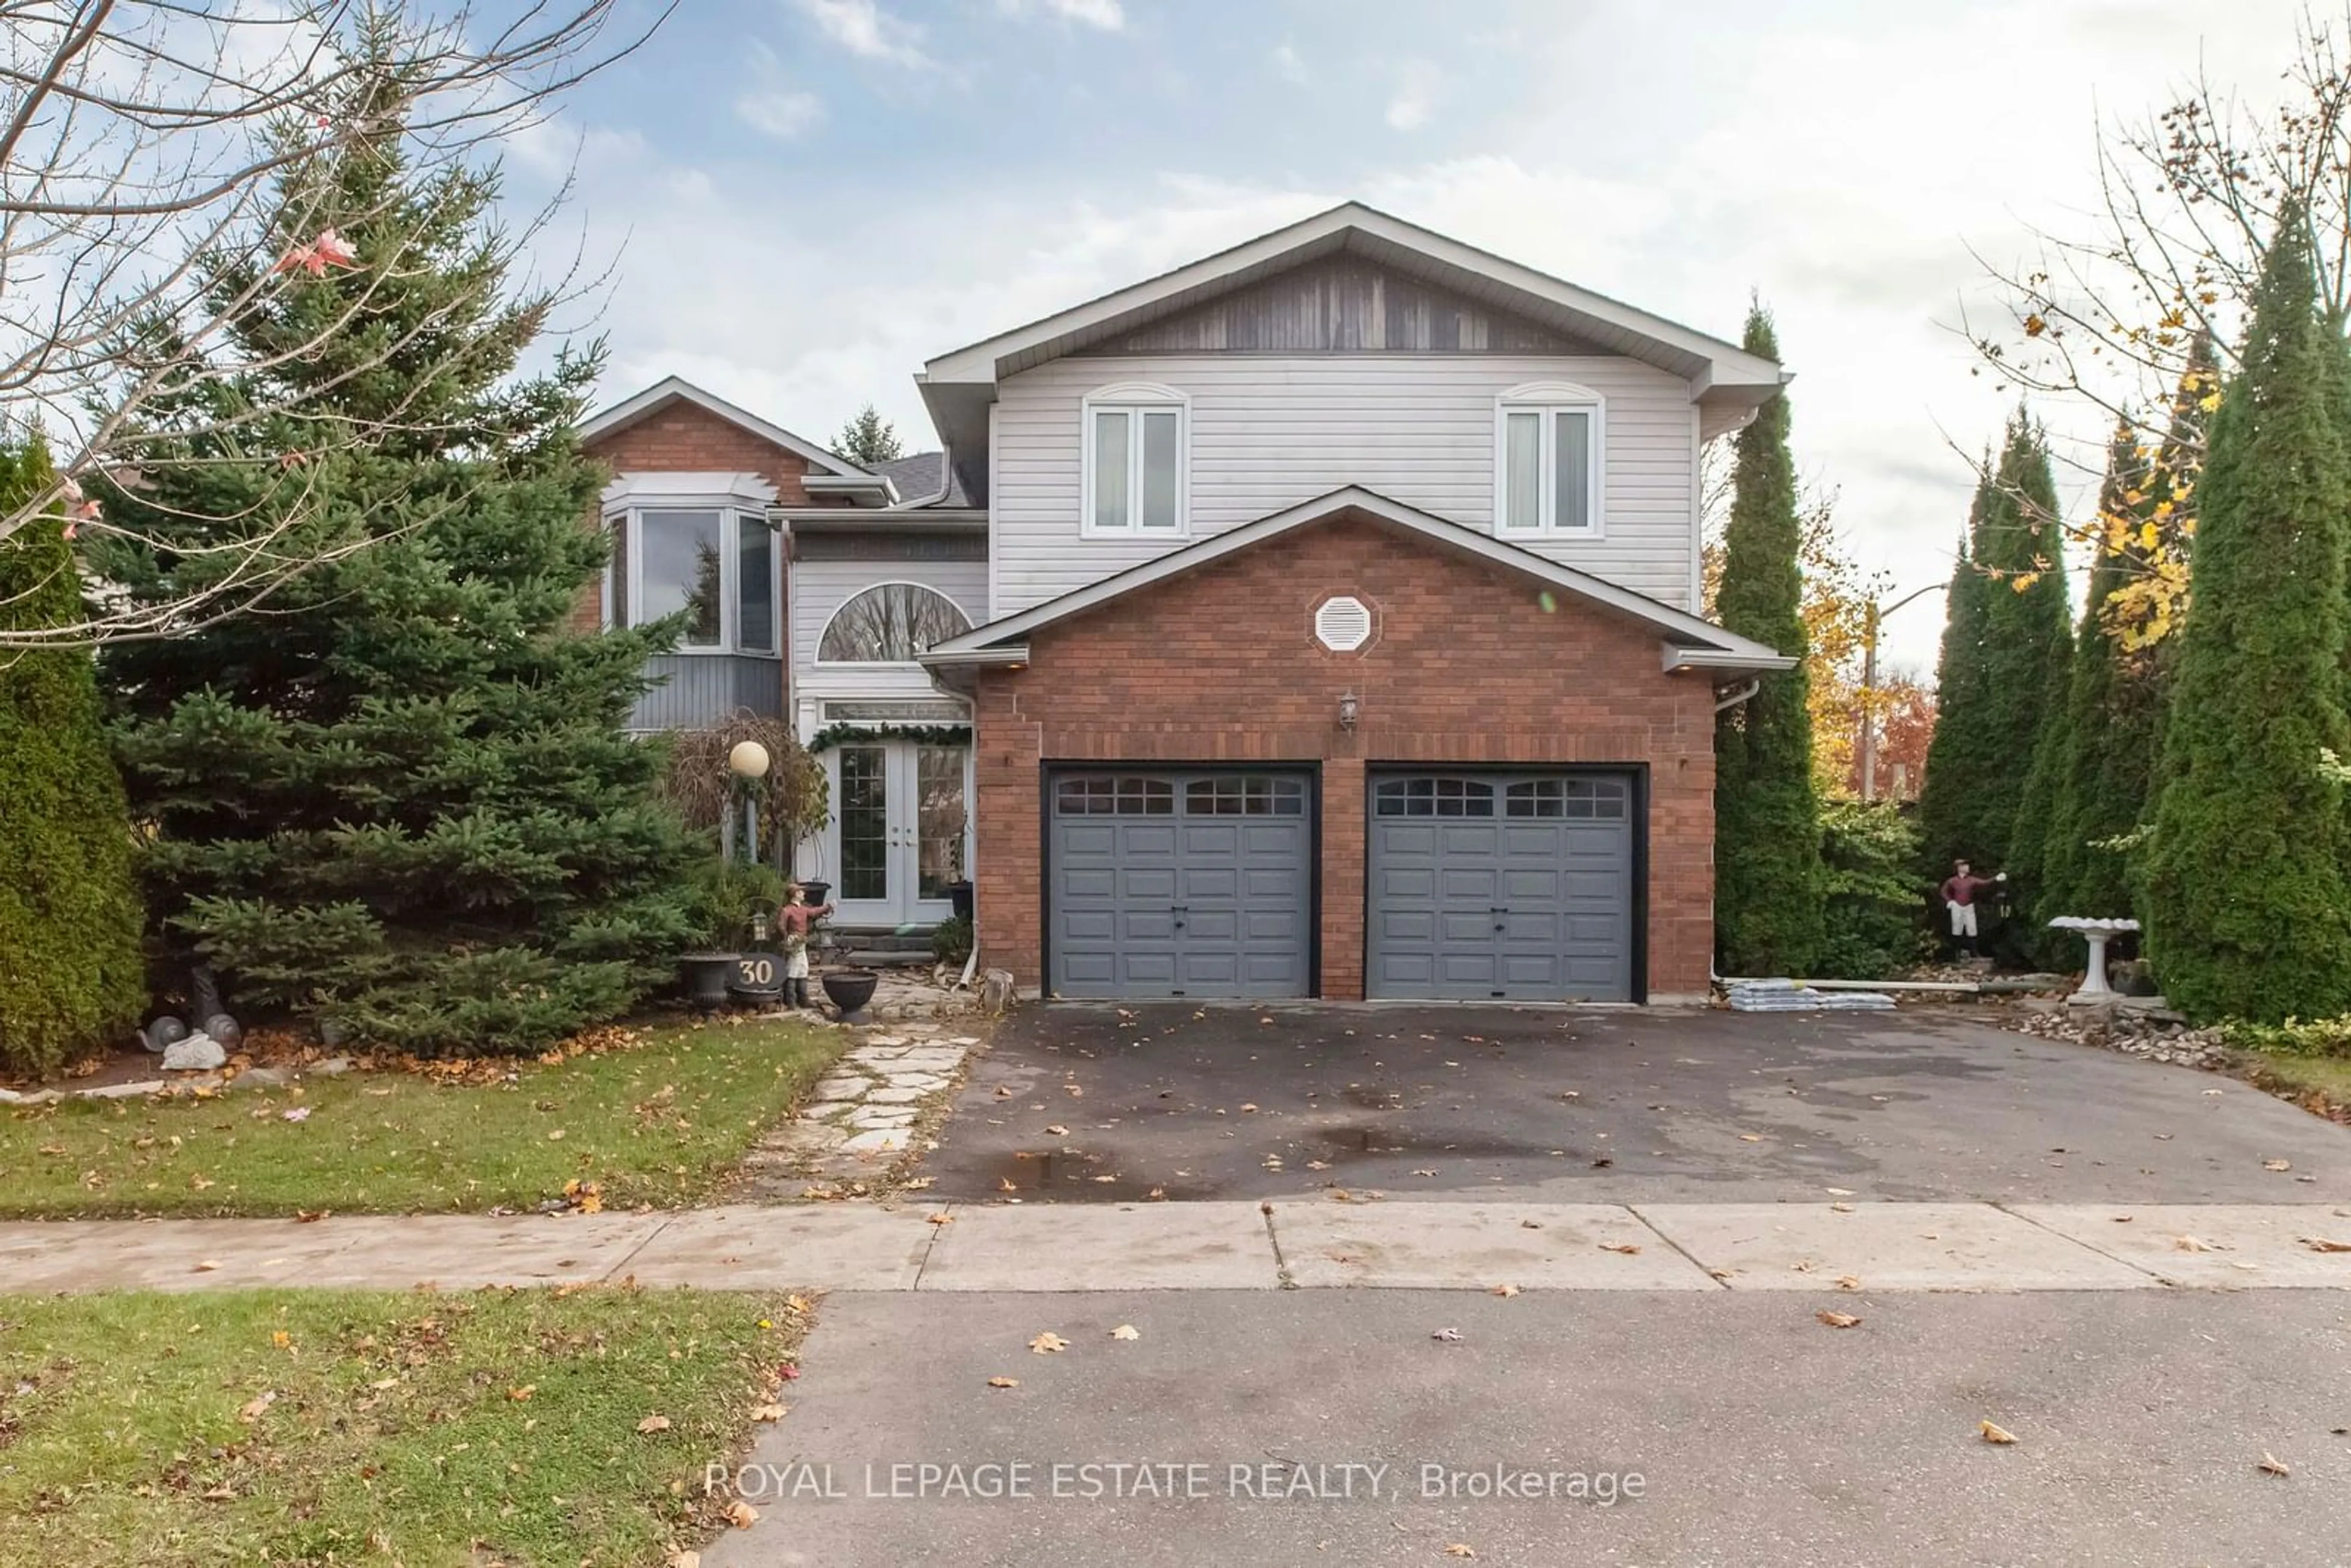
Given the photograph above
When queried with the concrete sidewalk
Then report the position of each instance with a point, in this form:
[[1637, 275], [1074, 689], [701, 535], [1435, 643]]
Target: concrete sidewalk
[[1835, 1247]]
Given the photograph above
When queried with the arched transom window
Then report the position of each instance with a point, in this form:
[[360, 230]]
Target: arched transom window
[[889, 624]]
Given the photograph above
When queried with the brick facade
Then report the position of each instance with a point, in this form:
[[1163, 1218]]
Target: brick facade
[[686, 438], [1465, 664]]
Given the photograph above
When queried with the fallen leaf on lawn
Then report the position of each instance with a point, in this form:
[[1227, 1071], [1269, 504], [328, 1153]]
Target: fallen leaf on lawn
[[250, 1411], [1503, 1290], [2277, 1165], [1058, 1130], [1836, 1320], [1450, 1337], [2321, 1244], [1048, 1343], [381, 1384], [2190, 1244], [310, 1216], [206, 1267], [1004, 1383], [1995, 1434], [767, 1413], [1848, 1282], [299, 1114], [1627, 1248], [281, 1339], [1126, 1330], [741, 1514], [556, 1137], [653, 1424], [681, 1558], [1460, 1549], [2272, 1465]]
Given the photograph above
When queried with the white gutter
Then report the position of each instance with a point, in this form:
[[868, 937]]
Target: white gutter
[[1738, 695]]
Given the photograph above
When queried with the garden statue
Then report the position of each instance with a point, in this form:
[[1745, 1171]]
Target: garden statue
[[793, 920], [1959, 893]]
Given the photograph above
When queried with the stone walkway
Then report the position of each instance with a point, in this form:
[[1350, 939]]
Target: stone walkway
[[1833, 1249], [865, 1116]]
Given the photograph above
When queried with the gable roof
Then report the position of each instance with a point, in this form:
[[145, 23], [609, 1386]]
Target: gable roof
[[1691, 642], [677, 389], [1390, 241]]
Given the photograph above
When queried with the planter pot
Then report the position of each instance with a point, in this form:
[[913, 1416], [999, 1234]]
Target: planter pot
[[757, 976], [960, 899], [850, 989], [817, 891], [705, 975]]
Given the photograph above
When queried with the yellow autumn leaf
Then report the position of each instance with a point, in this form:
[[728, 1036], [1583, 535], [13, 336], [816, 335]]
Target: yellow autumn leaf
[[1048, 1343], [653, 1424], [2023, 580], [1996, 1434]]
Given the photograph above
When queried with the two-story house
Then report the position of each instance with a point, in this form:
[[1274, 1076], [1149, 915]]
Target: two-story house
[[1322, 616]]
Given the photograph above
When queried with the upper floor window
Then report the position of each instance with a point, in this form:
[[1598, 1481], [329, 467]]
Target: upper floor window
[[889, 624], [1546, 459], [1137, 441], [717, 565]]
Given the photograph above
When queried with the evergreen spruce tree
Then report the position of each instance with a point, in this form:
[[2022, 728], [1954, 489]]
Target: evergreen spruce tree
[[2248, 908], [398, 797], [1767, 853], [1951, 802], [71, 977], [867, 440]]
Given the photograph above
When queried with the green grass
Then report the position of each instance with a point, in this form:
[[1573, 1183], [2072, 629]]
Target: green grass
[[660, 1123], [2318, 1083], [314, 1427]]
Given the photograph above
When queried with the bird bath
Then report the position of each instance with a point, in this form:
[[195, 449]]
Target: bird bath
[[2096, 934]]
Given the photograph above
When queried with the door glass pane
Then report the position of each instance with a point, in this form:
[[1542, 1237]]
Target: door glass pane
[[682, 571], [864, 821], [755, 617], [1575, 498], [939, 818], [1523, 466], [1159, 469], [1110, 470]]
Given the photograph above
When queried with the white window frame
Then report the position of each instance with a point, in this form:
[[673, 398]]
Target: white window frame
[[1135, 399], [732, 513], [1549, 399], [821, 662]]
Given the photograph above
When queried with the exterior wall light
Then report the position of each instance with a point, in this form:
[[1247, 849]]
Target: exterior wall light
[[1347, 707]]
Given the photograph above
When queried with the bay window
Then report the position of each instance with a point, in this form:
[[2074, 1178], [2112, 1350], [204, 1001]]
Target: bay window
[[718, 565]]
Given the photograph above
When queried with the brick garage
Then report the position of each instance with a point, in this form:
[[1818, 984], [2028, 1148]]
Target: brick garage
[[1466, 665]]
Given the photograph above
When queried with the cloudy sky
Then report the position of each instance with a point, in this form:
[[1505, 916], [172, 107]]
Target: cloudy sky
[[803, 199]]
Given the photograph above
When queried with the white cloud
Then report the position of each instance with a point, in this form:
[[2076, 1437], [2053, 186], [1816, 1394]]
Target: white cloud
[[1288, 65], [1410, 105], [780, 112], [1109, 15], [862, 28]]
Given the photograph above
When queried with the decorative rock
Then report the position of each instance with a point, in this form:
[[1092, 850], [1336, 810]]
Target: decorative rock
[[889, 1141], [328, 1067], [126, 1090], [199, 1052]]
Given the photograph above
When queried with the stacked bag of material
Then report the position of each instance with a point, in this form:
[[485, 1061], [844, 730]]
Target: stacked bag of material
[[1788, 997]]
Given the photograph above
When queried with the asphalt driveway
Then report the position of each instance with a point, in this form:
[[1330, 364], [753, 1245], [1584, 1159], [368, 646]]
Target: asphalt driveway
[[1092, 1105]]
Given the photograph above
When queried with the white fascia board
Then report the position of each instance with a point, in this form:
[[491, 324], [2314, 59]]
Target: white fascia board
[[851, 485], [1669, 621], [940, 658], [680, 487], [1736, 659], [678, 388], [1726, 364]]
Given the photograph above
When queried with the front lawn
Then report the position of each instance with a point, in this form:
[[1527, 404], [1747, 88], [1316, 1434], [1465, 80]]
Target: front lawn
[[502, 1427], [2320, 1085], [661, 1120]]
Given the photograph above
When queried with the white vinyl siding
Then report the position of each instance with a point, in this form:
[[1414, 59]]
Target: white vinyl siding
[[1267, 431]]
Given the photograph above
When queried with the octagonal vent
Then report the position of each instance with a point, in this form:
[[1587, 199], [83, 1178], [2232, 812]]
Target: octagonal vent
[[1343, 624]]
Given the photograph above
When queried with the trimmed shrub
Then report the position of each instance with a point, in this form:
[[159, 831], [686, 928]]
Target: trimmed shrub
[[1871, 905]]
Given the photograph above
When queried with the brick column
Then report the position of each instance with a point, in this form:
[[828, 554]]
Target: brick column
[[1343, 879]]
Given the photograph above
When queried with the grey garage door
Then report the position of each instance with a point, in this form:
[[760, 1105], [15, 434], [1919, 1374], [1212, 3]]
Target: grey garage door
[[1180, 884], [1512, 885]]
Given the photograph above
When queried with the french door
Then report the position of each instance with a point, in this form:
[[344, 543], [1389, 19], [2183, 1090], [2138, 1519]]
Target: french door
[[901, 833]]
